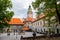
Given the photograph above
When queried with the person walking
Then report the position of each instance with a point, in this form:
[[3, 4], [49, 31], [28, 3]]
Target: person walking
[[8, 31]]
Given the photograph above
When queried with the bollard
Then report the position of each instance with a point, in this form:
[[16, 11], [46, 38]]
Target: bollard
[[44, 30], [34, 36], [57, 31], [8, 34], [21, 37]]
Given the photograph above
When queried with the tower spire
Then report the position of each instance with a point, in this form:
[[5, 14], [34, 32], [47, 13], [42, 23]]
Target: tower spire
[[29, 13], [29, 6]]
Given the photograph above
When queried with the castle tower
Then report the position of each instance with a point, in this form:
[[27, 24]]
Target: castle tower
[[30, 13]]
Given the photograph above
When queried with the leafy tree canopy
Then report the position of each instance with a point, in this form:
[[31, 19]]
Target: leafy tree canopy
[[50, 7], [5, 14]]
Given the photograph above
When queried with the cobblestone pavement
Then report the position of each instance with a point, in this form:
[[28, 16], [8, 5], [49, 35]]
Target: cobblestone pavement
[[4, 36], [11, 37]]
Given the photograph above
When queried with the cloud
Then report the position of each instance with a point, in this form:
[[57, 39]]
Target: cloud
[[20, 7]]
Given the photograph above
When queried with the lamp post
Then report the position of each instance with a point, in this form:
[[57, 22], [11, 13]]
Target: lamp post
[[16, 33]]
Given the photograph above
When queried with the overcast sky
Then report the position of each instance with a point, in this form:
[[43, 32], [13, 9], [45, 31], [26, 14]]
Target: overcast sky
[[20, 8]]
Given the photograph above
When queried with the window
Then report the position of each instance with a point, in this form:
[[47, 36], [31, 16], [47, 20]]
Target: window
[[36, 24], [40, 22]]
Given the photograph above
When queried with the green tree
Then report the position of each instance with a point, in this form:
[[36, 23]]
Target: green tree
[[50, 5], [50, 9], [5, 14]]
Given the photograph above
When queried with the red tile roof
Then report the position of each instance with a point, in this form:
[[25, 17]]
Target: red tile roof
[[29, 19], [16, 21], [41, 15]]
